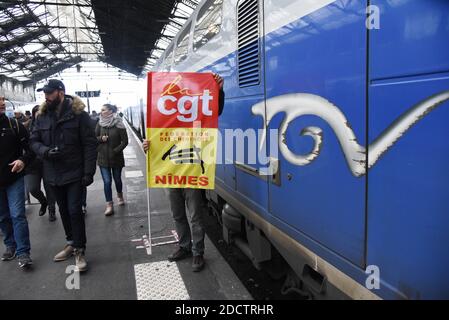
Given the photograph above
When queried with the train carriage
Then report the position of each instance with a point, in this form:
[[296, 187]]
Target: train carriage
[[358, 92]]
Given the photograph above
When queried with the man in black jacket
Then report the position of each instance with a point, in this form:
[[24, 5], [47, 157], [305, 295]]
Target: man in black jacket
[[63, 137], [14, 156]]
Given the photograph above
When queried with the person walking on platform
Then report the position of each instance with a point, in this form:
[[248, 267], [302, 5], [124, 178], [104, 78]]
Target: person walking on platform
[[21, 118], [63, 137], [194, 202], [33, 178], [94, 117], [14, 157], [27, 122], [93, 123], [113, 139]]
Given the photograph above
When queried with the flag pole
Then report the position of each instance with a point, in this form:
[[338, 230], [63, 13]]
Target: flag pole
[[149, 245], [145, 134]]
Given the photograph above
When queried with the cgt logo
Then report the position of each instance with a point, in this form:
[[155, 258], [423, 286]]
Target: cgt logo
[[187, 104]]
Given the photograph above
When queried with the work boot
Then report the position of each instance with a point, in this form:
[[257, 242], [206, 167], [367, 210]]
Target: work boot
[[121, 201], [51, 214], [43, 209], [109, 209], [66, 253], [198, 263], [80, 260], [9, 254], [24, 260], [179, 254]]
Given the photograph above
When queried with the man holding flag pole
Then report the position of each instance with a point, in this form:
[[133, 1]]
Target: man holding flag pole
[[190, 174]]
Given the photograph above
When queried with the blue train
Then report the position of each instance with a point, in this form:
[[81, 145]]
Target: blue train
[[357, 205]]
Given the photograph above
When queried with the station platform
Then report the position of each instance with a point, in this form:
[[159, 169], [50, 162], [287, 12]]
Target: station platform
[[120, 263]]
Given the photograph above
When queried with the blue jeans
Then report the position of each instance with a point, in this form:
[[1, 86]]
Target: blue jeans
[[13, 221], [107, 174]]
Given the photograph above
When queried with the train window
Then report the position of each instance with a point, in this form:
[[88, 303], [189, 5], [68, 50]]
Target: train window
[[160, 63], [168, 59], [208, 23], [183, 45]]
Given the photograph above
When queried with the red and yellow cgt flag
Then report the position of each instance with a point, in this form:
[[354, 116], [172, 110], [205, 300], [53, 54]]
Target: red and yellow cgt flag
[[182, 120]]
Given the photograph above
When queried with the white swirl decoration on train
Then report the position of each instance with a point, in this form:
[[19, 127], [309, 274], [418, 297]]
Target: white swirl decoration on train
[[300, 104]]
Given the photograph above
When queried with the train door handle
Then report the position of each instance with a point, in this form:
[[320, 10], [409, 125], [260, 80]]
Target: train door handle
[[274, 171], [270, 173]]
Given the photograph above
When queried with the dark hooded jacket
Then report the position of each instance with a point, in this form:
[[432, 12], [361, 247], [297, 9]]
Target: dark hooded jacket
[[13, 146], [74, 136]]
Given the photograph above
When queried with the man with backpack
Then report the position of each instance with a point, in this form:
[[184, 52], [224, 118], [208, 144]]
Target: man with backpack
[[14, 157]]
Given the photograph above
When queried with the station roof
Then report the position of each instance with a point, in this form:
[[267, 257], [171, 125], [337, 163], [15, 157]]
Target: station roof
[[41, 38], [129, 29]]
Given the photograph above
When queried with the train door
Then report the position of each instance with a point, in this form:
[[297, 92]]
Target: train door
[[246, 90], [315, 71], [408, 185]]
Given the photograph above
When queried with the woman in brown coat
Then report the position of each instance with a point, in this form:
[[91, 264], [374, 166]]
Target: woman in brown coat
[[113, 139]]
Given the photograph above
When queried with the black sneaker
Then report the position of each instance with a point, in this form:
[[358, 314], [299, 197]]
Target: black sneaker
[[9, 254], [198, 263], [179, 254], [51, 215], [43, 209], [25, 261]]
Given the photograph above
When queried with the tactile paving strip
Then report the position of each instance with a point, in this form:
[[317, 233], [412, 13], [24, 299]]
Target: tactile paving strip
[[133, 174], [159, 281]]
